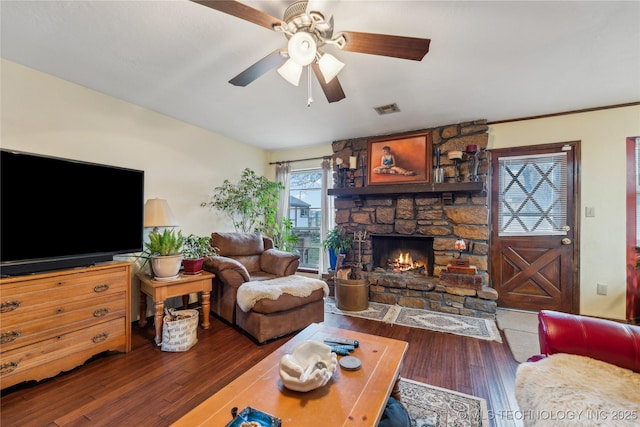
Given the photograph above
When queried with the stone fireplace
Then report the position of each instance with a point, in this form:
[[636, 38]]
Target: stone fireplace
[[402, 254], [424, 222]]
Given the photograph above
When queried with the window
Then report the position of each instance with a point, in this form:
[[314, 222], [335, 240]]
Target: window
[[532, 198], [305, 192]]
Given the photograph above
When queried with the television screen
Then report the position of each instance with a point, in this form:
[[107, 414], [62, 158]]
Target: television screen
[[58, 213]]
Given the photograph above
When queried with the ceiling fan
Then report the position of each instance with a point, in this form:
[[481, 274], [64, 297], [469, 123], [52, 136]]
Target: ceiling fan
[[307, 30]]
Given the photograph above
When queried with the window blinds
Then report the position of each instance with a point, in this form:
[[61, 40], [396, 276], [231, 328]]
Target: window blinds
[[532, 195]]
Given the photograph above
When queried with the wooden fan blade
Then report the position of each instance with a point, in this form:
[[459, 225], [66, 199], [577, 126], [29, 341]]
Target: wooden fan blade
[[242, 11], [332, 90], [386, 45], [274, 59]]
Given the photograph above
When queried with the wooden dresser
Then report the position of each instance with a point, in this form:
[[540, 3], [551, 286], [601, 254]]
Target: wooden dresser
[[52, 322]]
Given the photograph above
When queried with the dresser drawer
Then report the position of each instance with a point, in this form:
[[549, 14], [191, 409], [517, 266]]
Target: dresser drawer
[[19, 298], [41, 324], [50, 357]]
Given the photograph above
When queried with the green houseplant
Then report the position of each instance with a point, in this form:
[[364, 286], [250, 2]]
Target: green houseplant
[[165, 252], [194, 250], [252, 204], [337, 241]]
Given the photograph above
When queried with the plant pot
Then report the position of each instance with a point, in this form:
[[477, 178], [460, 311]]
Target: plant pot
[[333, 258], [166, 267], [192, 266]]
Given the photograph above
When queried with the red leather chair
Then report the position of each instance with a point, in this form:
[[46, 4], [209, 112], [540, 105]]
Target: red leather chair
[[605, 340]]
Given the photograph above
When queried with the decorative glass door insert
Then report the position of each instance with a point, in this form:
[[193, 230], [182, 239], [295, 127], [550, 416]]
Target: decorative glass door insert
[[533, 195]]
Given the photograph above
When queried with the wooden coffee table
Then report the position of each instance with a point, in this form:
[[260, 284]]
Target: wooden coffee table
[[351, 398]]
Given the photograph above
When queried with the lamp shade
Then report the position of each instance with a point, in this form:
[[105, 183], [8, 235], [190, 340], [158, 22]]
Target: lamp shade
[[157, 213], [329, 67], [291, 72], [460, 245], [302, 48], [454, 155]]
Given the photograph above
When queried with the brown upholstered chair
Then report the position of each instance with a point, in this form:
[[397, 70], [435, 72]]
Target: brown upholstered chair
[[255, 287], [243, 257]]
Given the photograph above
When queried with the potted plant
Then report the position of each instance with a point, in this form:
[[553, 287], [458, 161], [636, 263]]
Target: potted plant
[[337, 242], [194, 250], [252, 204], [165, 252]]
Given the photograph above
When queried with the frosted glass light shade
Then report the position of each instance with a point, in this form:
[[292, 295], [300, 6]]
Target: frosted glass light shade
[[291, 72], [302, 48], [157, 213], [330, 66]]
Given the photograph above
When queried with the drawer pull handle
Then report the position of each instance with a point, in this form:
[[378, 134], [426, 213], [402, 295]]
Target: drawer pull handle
[[101, 288], [9, 306], [100, 338], [101, 312], [9, 336], [7, 368]]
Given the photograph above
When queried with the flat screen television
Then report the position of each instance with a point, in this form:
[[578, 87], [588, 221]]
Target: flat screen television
[[59, 213]]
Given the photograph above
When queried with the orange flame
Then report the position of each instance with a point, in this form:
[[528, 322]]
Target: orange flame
[[405, 259]]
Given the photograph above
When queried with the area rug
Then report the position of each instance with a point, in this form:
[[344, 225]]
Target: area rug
[[521, 332], [430, 406], [484, 329]]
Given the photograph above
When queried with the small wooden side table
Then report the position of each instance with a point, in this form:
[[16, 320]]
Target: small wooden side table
[[159, 291]]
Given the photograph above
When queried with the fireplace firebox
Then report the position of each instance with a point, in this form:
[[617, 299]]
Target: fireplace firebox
[[403, 253]]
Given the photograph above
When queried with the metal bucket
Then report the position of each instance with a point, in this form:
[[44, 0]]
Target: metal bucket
[[352, 295]]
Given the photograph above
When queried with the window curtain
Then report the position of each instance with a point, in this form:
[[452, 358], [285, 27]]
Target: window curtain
[[283, 175], [327, 214]]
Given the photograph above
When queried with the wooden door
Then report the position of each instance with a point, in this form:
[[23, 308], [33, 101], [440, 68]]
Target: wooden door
[[534, 227]]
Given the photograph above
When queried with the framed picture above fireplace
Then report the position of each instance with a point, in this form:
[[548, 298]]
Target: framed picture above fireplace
[[399, 159]]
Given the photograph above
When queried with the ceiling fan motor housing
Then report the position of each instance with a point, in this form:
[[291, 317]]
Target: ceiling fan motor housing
[[298, 19]]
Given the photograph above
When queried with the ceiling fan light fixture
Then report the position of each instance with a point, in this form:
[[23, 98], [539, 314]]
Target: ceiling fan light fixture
[[302, 48], [291, 72], [330, 66]]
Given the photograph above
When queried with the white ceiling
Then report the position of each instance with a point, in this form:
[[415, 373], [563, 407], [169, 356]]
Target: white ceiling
[[487, 60]]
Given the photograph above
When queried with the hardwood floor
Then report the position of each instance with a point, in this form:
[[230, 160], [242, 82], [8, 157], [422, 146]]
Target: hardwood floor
[[149, 387]]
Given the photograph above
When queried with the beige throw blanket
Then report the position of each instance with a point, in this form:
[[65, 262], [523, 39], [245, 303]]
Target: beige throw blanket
[[571, 390], [300, 286]]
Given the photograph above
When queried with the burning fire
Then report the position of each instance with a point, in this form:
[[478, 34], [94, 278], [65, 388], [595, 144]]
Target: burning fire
[[404, 262]]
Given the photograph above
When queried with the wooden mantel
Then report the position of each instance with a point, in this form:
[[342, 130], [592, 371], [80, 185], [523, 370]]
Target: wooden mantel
[[444, 189], [372, 190]]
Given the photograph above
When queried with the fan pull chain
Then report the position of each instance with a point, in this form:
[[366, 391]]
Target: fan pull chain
[[310, 99]]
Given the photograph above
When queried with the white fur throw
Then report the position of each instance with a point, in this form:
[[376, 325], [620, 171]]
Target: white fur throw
[[300, 286], [570, 390]]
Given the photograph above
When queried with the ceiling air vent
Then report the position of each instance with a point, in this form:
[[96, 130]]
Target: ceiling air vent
[[387, 109]]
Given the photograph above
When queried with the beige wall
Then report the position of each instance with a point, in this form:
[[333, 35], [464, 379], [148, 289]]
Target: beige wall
[[182, 163], [603, 186]]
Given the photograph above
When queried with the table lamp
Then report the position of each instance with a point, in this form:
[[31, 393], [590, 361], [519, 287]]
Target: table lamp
[[157, 213], [460, 246]]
